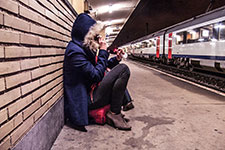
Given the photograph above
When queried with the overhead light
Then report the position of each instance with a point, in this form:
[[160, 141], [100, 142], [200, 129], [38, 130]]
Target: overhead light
[[116, 21], [110, 8]]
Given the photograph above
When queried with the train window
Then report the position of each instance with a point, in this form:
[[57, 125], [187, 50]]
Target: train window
[[206, 33], [193, 35], [151, 43], [215, 35], [180, 38], [222, 30], [144, 44]]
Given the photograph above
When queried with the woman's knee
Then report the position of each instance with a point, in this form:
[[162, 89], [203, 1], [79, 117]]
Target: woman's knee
[[125, 69]]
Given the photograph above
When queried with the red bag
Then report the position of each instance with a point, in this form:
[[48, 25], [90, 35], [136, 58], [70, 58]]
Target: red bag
[[99, 114]]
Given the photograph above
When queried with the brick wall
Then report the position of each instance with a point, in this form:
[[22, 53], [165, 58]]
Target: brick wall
[[33, 37]]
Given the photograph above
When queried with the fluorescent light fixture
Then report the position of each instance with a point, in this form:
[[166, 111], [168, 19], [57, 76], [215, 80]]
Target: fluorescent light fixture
[[111, 8], [116, 21]]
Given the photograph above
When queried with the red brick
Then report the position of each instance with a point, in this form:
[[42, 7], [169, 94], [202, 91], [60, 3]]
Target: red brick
[[16, 23], [66, 38], [59, 36], [6, 129], [17, 79], [46, 4], [40, 112], [45, 61], [50, 15], [57, 59], [2, 84], [29, 39], [9, 96], [39, 92], [46, 97], [29, 63], [30, 86], [2, 55], [35, 5], [57, 73], [60, 51], [9, 5], [48, 51], [9, 67], [15, 51], [54, 83], [19, 105], [29, 14], [5, 144], [61, 15], [50, 68], [1, 19], [57, 6], [55, 98], [59, 65], [44, 21], [38, 72], [46, 79], [51, 33], [47, 42], [65, 8], [18, 119], [38, 29], [9, 37], [24, 1], [3, 115], [21, 130], [55, 27], [36, 51], [28, 111]]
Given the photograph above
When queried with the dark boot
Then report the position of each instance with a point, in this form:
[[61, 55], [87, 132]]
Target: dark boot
[[126, 119], [128, 106], [117, 121]]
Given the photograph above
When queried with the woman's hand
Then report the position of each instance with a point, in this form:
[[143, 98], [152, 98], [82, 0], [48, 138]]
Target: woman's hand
[[102, 43], [119, 54]]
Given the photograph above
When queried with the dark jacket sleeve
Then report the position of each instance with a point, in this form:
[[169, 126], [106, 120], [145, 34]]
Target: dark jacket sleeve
[[93, 73], [112, 62]]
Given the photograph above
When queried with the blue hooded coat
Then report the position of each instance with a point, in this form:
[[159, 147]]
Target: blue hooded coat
[[80, 71]]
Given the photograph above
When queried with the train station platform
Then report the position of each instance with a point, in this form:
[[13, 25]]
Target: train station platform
[[169, 114]]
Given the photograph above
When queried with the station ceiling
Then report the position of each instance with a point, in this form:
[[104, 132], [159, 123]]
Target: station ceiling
[[150, 16], [114, 13]]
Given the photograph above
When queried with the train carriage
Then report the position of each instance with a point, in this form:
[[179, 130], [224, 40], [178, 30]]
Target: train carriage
[[195, 43], [199, 42]]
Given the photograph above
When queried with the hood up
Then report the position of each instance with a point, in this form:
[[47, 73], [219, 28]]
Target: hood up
[[84, 31]]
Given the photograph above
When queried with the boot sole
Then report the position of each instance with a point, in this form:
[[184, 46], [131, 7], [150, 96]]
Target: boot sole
[[110, 122]]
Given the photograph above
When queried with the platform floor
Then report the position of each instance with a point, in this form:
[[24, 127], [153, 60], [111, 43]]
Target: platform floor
[[169, 114]]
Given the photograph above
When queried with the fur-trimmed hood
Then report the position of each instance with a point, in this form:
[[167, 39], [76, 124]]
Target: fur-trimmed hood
[[85, 30]]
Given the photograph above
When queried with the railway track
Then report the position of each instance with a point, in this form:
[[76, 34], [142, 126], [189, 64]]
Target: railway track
[[204, 78]]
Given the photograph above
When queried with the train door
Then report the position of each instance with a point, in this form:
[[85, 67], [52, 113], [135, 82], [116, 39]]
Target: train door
[[170, 40], [157, 47], [168, 47]]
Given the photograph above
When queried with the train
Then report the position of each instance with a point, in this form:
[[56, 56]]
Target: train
[[197, 43]]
